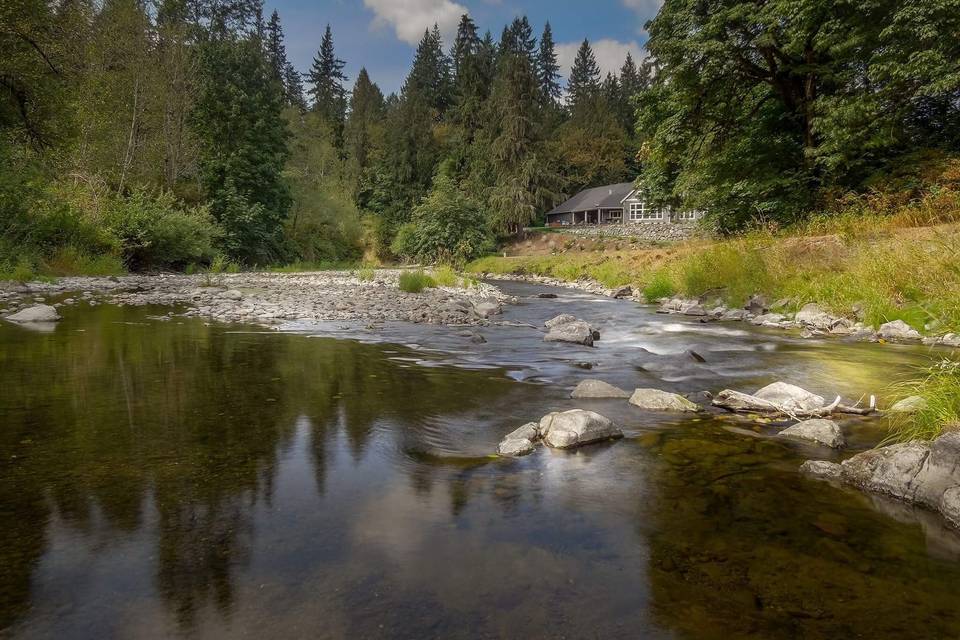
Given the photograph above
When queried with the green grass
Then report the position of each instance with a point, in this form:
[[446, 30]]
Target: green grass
[[940, 387], [415, 281], [366, 273], [659, 286], [302, 267], [445, 276]]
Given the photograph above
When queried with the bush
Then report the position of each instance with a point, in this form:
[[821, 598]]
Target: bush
[[448, 226], [156, 232], [366, 273], [445, 276], [660, 286], [415, 281]]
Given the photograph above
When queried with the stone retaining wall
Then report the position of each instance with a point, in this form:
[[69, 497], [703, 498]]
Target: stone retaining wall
[[657, 231]]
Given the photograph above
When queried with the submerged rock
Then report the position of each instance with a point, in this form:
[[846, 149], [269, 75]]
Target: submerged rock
[[486, 308], [521, 441], [656, 400], [567, 429], [598, 389], [821, 469], [36, 313], [825, 432], [922, 473]]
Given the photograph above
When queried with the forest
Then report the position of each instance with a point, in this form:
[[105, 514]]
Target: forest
[[175, 134]]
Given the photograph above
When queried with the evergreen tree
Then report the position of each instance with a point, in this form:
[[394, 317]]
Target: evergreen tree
[[237, 119], [293, 85], [327, 77], [465, 45], [548, 71], [364, 121], [283, 71], [584, 82], [429, 79]]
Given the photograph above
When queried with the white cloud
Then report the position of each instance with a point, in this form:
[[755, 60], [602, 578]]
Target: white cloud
[[609, 53], [409, 18], [645, 10]]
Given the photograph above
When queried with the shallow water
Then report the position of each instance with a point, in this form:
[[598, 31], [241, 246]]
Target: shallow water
[[166, 479]]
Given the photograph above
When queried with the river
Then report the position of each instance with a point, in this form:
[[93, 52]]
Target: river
[[186, 479]]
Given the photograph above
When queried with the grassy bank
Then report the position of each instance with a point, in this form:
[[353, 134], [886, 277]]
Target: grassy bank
[[888, 259]]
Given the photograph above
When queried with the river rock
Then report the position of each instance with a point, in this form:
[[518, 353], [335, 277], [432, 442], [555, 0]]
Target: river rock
[[768, 319], [232, 294], [575, 332], [911, 404], [656, 400], [812, 315], [521, 441], [36, 313], [695, 310], [898, 330], [622, 292], [790, 398], [756, 305], [825, 432], [556, 321], [923, 473], [598, 389], [568, 429], [735, 314], [546, 296], [822, 469], [486, 308]]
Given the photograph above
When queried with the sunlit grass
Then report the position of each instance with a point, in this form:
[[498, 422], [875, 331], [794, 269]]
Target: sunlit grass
[[940, 388], [415, 281]]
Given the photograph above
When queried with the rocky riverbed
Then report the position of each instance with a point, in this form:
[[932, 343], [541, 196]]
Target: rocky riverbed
[[269, 299]]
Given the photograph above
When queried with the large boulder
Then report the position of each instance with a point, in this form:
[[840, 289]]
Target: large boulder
[[790, 398], [656, 400], [922, 473], [898, 330], [567, 429], [812, 315], [598, 389], [825, 432], [36, 313], [521, 441], [622, 292], [576, 332], [486, 308], [556, 321], [768, 319]]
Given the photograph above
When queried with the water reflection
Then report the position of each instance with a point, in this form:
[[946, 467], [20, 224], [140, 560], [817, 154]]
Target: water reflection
[[164, 479]]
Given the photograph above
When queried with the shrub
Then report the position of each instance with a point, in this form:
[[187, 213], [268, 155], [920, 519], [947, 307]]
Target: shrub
[[445, 276], [366, 273], [660, 286], [156, 232], [448, 226], [415, 281]]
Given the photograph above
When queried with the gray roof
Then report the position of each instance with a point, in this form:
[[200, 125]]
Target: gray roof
[[608, 197]]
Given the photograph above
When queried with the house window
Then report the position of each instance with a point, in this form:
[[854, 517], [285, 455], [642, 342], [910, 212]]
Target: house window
[[615, 215], [643, 211], [688, 215]]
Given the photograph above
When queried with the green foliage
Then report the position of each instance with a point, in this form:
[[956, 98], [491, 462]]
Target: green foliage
[[156, 232], [939, 386], [415, 281], [660, 286], [447, 227], [445, 276], [366, 273]]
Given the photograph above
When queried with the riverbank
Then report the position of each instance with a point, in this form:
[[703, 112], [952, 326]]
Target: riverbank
[[268, 299]]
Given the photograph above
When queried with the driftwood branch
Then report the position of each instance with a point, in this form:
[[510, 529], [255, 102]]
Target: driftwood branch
[[745, 403]]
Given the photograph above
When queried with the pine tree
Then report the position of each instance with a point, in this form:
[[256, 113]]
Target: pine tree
[[464, 45], [364, 118], [293, 84], [327, 77], [584, 82], [429, 79], [548, 71], [276, 51]]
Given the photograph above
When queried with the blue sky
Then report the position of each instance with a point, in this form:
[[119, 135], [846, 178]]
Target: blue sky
[[381, 35]]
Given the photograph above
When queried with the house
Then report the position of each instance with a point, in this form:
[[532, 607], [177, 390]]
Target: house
[[615, 204]]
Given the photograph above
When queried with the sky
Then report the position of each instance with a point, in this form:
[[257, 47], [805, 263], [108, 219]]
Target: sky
[[382, 35]]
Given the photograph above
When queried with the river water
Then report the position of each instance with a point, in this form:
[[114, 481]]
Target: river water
[[179, 479]]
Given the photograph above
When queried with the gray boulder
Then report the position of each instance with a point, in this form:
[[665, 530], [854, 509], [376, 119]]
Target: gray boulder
[[486, 308], [598, 389], [232, 294], [563, 318], [790, 398], [812, 315], [898, 330], [695, 310], [568, 429], [575, 332], [825, 432], [36, 313], [735, 314], [622, 292], [521, 441], [911, 404], [656, 400], [756, 305]]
